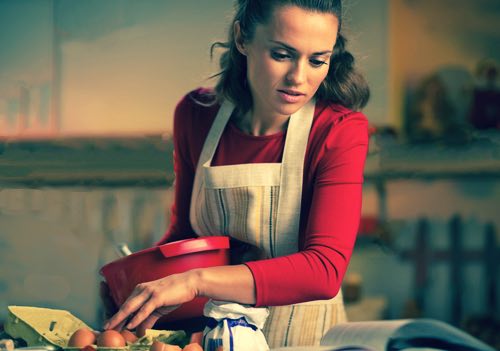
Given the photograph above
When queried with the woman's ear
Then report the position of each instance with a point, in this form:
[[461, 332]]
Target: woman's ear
[[238, 38]]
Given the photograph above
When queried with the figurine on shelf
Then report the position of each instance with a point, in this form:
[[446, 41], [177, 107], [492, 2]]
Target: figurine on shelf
[[432, 117]]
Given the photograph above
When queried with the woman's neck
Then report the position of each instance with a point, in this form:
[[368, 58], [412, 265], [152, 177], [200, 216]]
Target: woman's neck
[[258, 125]]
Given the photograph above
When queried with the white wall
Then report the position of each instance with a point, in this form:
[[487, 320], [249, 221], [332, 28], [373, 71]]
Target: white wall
[[120, 67]]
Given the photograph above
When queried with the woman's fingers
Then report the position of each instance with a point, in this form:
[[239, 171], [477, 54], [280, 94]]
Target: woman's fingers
[[150, 312], [149, 322], [121, 325], [144, 312], [131, 305], [153, 300]]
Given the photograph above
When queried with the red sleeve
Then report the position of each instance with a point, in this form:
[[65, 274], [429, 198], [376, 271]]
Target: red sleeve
[[316, 272], [184, 170]]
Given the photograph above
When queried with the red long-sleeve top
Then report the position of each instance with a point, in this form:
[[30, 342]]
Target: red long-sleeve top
[[331, 194]]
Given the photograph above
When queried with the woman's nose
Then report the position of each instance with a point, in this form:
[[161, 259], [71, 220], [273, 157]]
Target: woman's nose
[[297, 74]]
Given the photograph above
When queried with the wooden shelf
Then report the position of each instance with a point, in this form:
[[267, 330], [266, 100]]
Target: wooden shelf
[[99, 161], [147, 161], [392, 160]]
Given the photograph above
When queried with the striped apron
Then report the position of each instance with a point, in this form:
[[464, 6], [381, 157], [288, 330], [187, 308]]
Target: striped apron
[[259, 204]]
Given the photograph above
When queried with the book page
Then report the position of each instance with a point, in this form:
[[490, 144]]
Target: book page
[[372, 334], [403, 334]]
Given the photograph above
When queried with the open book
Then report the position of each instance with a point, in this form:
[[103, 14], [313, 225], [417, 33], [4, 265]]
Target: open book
[[395, 335]]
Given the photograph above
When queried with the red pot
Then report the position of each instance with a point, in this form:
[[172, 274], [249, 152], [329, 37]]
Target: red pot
[[157, 262]]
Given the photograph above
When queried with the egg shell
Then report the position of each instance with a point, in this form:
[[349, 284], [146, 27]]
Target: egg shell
[[157, 346], [140, 331], [129, 336], [196, 337], [160, 346], [82, 337], [193, 347], [111, 338]]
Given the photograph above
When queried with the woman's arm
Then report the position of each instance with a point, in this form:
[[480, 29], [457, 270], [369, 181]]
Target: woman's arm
[[316, 272]]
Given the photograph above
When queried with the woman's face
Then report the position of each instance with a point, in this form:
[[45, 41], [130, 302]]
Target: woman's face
[[288, 58]]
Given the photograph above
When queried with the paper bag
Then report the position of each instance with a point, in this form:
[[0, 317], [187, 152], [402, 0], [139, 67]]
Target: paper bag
[[234, 327]]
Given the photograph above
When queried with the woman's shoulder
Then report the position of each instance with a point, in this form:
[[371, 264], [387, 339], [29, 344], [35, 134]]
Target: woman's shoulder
[[193, 117], [329, 113], [336, 125], [198, 99], [196, 108]]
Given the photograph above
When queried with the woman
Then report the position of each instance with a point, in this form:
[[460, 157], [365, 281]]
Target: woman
[[292, 148]]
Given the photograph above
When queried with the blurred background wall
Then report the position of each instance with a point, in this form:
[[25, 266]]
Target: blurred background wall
[[73, 67], [106, 70]]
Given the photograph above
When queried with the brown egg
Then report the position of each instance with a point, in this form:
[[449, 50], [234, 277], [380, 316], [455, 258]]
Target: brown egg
[[129, 336], [193, 347], [157, 346], [111, 338], [196, 337], [140, 331], [81, 338], [160, 346]]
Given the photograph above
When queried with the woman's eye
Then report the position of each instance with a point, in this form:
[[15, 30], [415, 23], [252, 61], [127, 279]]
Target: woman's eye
[[279, 56], [317, 63]]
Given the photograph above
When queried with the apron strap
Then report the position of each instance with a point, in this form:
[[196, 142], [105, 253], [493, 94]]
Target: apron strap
[[292, 172], [207, 153]]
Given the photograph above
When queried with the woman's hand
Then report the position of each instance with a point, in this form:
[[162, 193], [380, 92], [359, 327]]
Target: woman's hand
[[152, 300]]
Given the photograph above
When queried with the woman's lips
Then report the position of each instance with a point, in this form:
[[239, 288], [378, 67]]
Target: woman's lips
[[290, 96]]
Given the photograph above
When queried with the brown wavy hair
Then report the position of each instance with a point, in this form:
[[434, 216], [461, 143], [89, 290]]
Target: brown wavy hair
[[343, 84]]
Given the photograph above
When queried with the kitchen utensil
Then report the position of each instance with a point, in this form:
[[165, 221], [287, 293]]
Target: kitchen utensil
[[124, 274]]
